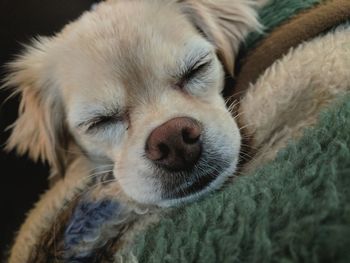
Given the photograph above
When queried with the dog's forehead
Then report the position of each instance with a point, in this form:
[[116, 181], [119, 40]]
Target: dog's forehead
[[125, 46]]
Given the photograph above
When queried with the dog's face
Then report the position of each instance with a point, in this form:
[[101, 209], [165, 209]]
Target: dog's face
[[134, 84]]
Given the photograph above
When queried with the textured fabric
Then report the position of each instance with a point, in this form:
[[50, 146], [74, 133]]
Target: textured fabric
[[301, 28], [276, 12], [84, 229], [296, 209], [290, 94]]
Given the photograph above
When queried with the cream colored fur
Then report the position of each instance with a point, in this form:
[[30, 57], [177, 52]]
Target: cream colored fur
[[124, 55], [125, 59]]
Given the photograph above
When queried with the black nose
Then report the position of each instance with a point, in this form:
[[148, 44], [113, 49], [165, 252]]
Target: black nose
[[175, 145]]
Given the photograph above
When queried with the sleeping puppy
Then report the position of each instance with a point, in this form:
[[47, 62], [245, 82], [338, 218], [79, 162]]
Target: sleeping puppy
[[136, 84]]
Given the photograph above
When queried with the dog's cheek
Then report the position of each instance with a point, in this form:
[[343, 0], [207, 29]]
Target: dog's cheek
[[133, 174], [97, 146]]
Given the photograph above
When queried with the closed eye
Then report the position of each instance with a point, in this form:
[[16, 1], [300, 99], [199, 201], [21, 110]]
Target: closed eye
[[195, 70], [101, 121]]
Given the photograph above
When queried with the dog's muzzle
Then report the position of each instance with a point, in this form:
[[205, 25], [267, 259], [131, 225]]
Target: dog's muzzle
[[184, 161]]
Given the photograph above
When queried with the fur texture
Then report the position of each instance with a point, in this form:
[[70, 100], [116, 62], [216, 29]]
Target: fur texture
[[318, 20], [298, 94], [102, 85]]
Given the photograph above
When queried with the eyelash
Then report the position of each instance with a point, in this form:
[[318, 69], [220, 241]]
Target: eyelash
[[196, 69], [102, 121], [192, 72]]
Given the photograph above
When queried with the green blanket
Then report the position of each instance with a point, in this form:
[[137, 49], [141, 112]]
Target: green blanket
[[296, 209]]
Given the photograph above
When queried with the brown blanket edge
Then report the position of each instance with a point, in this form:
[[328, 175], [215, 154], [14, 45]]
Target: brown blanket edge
[[304, 26]]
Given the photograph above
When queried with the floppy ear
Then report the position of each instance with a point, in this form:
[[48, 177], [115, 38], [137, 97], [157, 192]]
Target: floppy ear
[[225, 23], [39, 129]]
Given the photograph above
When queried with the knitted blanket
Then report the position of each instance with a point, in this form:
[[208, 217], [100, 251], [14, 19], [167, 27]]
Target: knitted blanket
[[291, 205]]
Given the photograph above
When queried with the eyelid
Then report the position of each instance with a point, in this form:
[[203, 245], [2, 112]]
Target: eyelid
[[200, 64], [101, 120], [196, 67], [195, 63]]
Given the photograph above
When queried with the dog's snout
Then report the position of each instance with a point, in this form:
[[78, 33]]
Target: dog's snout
[[176, 144]]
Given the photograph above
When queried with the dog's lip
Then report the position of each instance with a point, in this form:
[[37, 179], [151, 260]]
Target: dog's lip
[[194, 186]]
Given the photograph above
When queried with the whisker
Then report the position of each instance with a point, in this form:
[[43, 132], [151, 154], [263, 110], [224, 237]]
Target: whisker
[[238, 114], [245, 154], [249, 146], [99, 173], [68, 151], [94, 175], [232, 106], [246, 136], [245, 126], [100, 167], [236, 93]]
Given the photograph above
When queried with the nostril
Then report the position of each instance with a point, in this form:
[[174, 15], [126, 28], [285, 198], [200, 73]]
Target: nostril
[[189, 136], [164, 151], [157, 152]]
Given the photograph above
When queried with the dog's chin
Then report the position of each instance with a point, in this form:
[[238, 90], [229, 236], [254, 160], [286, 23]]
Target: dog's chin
[[166, 188], [197, 186]]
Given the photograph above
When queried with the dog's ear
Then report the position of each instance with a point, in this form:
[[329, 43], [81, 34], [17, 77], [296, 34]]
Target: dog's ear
[[225, 23], [39, 129]]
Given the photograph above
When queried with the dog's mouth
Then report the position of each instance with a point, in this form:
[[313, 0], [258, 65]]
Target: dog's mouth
[[187, 159], [192, 186], [209, 171]]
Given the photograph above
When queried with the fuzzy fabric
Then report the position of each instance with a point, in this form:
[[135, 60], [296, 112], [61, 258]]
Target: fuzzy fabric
[[85, 227], [277, 12], [289, 95], [303, 27], [296, 209]]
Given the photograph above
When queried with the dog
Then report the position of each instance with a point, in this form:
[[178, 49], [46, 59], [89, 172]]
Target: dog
[[136, 85]]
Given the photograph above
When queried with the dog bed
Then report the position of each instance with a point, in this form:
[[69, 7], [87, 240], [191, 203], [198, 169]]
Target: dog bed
[[291, 205]]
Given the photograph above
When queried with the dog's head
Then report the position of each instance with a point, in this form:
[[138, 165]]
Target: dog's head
[[137, 84]]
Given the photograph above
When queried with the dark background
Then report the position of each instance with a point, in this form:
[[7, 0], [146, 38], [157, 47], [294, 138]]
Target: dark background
[[22, 181]]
